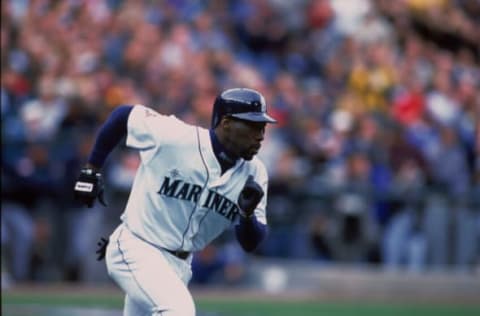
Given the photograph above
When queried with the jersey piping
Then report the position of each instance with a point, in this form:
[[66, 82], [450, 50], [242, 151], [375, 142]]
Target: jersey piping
[[203, 189]]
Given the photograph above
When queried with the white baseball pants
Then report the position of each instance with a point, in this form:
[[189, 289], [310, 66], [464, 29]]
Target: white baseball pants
[[155, 281]]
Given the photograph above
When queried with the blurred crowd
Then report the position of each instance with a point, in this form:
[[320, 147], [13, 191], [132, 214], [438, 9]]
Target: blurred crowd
[[375, 159]]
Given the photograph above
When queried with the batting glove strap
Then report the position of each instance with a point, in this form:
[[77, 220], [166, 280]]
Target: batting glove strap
[[246, 215], [88, 187]]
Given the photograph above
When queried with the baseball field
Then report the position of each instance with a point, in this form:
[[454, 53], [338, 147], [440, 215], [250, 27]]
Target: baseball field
[[67, 300]]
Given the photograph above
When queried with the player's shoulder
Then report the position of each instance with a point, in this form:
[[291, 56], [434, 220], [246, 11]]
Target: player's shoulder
[[141, 109], [256, 166], [147, 112]]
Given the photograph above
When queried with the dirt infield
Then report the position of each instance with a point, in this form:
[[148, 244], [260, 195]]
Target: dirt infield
[[68, 300], [327, 285], [333, 291], [304, 280]]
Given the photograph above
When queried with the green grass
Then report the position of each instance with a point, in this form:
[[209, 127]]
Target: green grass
[[257, 307], [309, 308]]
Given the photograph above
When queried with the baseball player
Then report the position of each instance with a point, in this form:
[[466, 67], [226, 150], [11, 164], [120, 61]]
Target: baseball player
[[192, 184]]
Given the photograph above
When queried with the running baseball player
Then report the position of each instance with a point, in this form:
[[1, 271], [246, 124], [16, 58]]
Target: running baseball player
[[192, 184]]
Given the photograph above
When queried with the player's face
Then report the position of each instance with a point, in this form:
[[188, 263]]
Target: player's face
[[244, 138]]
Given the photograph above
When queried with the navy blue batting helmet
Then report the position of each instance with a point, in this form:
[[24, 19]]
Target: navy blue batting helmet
[[242, 103]]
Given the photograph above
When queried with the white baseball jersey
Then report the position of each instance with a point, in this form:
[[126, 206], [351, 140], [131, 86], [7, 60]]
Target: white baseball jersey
[[179, 199]]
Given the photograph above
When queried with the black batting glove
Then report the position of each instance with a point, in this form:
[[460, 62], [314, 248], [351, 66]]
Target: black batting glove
[[249, 197], [102, 249], [89, 187]]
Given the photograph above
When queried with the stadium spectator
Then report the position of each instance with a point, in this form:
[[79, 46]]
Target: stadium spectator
[[337, 76]]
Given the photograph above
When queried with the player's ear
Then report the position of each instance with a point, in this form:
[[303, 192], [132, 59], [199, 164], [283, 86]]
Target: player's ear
[[225, 123]]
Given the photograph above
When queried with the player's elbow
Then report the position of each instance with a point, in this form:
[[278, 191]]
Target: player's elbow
[[249, 247]]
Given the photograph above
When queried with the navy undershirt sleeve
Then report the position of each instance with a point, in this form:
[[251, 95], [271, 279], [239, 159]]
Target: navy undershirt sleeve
[[250, 233], [110, 134]]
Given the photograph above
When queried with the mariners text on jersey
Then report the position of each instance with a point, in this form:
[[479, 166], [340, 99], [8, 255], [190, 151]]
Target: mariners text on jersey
[[183, 190], [179, 186]]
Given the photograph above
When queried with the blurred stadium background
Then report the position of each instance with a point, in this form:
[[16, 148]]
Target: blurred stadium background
[[374, 166]]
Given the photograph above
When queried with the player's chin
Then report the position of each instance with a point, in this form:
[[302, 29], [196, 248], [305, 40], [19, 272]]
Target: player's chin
[[250, 154]]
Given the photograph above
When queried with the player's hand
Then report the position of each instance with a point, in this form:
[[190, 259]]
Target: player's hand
[[250, 196], [89, 187], [102, 249]]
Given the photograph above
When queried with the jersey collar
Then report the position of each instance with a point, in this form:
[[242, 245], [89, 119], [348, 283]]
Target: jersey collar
[[223, 156]]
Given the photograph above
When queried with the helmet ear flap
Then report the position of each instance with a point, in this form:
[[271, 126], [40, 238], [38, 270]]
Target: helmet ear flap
[[217, 112], [215, 119]]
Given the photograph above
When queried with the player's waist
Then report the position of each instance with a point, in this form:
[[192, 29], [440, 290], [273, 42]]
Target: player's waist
[[181, 254]]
